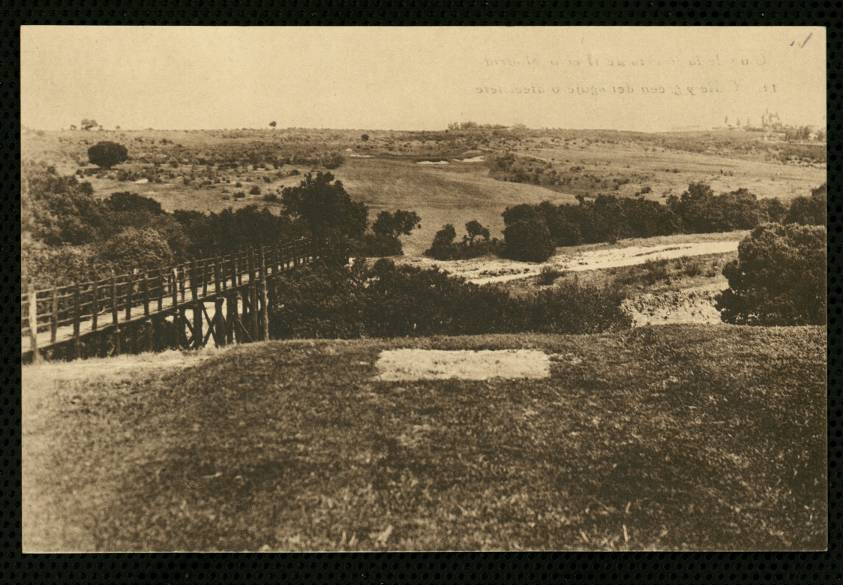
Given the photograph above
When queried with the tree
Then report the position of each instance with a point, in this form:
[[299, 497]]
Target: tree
[[442, 247], [528, 240], [364, 137], [396, 224], [88, 124], [107, 154], [810, 210], [137, 248], [325, 208], [779, 277], [273, 124], [475, 229]]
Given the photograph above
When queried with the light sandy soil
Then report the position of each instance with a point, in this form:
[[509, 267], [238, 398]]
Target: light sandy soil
[[490, 269], [688, 305], [429, 364]]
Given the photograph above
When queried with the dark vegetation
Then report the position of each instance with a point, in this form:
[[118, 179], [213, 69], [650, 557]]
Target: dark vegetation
[[107, 154], [69, 235], [779, 277], [390, 301], [475, 242], [532, 231]]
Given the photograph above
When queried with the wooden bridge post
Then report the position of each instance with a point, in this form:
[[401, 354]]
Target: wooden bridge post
[[149, 335], [217, 274], [250, 263], [160, 290], [180, 274], [263, 285], [32, 317], [114, 316], [129, 286], [54, 314], [77, 348], [220, 335], [232, 334], [204, 264], [254, 330], [145, 293], [198, 337], [178, 323], [193, 283], [264, 302], [95, 305]]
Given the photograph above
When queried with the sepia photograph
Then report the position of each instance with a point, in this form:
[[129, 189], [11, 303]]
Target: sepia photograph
[[325, 289]]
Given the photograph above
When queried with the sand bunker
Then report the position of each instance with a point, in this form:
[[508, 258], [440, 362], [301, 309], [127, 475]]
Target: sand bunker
[[431, 364]]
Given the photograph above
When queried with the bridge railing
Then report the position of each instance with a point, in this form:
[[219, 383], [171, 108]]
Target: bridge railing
[[117, 298]]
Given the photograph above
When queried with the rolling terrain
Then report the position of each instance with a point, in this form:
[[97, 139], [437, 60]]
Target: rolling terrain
[[689, 437], [205, 170]]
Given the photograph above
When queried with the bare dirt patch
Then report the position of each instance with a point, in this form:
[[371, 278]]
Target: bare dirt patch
[[488, 270], [429, 364]]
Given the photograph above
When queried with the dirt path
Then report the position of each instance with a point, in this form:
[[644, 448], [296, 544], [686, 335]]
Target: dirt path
[[489, 270]]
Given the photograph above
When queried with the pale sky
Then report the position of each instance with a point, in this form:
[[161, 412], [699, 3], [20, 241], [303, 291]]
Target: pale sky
[[415, 78]]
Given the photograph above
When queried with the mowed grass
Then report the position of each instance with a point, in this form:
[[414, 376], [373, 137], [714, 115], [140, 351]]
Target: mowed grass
[[678, 437]]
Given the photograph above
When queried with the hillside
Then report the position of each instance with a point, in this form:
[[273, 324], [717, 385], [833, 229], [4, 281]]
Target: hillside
[[675, 437], [210, 170]]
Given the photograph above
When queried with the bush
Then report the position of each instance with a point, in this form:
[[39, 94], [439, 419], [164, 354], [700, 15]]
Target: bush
[[474, 244], [810, 210], [528, 240], [255, 190], [376, 246], [549, 274], [137, 248], [779, 277], [390, 301], [331, 160], [107, 154]]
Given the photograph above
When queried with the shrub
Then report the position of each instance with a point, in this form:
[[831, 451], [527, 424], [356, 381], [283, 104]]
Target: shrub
[[779, 277], [810, 210], [326, 208], [377, 245], [548, 275], [107, 154], [528, 240], [239, 195], [255, 190], [132, 202], [137, 248], [331, 160], [390, 301]]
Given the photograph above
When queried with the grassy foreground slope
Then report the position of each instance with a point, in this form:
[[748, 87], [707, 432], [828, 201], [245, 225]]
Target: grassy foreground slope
[[675, 437]]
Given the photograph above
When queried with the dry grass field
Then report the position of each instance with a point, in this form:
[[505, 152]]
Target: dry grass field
[[384, 171], [689, 437]]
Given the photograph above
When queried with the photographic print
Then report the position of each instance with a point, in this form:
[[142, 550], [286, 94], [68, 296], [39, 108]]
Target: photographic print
[[423, 289]]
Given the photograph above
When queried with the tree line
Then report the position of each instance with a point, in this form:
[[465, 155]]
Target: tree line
[[68, 234], [532, 232]]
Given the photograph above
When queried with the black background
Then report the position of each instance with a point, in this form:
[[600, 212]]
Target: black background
[[551, 568]]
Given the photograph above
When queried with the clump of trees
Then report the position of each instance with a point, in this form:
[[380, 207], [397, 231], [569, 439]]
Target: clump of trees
[[61, 213], [388, 227], [107, 154], [476, 242], [526, 236], [779, 277]]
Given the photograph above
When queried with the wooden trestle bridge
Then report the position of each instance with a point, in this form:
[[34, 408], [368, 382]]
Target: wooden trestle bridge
[[160, 309]]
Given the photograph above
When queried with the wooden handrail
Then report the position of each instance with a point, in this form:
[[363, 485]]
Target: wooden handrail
[[60, 306]]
